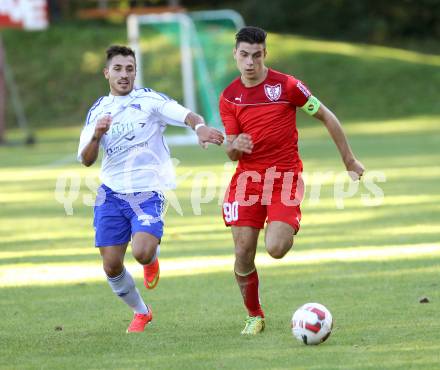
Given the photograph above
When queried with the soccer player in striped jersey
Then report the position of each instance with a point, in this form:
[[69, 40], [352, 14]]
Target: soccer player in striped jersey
[[128, 125], [258, 110]]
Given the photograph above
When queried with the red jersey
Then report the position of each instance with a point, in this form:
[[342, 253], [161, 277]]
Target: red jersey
[[267, 112]]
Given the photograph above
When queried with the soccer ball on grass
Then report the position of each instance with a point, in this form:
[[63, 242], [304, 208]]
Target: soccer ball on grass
[[312, 323]]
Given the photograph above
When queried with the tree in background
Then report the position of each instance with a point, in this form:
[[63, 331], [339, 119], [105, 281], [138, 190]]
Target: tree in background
[[375, 21]]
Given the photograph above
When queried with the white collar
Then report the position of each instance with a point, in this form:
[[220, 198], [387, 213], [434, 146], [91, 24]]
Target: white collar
[[122, 98]]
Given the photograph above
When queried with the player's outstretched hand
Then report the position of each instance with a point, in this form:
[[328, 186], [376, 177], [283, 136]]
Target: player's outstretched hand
[[355, 169], [243, 143], [209, 135], [102, 126]]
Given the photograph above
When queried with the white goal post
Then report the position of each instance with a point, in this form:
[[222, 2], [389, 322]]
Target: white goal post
[[191, 50]]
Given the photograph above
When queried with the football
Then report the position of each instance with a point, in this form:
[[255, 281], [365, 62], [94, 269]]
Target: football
[[312, 323]]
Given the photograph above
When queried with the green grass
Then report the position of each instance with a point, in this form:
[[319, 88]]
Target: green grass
[[368, 265]]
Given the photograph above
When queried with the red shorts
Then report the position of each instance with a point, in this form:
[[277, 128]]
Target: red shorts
[[254, 197]]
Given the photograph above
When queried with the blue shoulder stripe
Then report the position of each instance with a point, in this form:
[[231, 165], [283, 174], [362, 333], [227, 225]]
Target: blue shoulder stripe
[[166, 97], [146, 89], [94, 106], [162, 95]]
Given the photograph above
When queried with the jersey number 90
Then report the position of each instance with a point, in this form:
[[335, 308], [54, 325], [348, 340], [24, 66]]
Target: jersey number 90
[[230, 211]]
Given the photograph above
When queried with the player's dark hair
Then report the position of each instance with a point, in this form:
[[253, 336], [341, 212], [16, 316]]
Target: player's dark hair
[[251, 35], [114, 50]]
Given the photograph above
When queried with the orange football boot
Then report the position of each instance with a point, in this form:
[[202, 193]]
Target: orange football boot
[[151, 274], [140, 320]]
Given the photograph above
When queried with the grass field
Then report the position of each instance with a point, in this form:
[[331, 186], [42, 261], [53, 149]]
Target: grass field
[[368, 265]]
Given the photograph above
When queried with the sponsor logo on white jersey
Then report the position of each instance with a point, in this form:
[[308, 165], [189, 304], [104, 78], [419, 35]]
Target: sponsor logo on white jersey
[[273, 93]]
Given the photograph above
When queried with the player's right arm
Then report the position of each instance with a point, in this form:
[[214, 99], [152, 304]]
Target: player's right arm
[[237, 142], [236, 145], [89, 154]]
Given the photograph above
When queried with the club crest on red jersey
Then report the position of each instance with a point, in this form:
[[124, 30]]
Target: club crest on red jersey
[[273, 93]]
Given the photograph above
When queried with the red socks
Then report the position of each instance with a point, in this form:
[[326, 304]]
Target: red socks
[[249, 290]]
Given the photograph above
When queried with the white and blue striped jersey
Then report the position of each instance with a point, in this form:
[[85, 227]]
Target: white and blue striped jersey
[[136, 157]]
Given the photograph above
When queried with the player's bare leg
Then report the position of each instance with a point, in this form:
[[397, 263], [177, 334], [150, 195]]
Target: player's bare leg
[[245, 240], [279, 238], [123, 285], [113, 259], [144, 249], [144, 246]]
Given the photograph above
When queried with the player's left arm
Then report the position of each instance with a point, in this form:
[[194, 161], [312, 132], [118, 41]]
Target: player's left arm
[[205, 134], [331, 122], [174, 113]]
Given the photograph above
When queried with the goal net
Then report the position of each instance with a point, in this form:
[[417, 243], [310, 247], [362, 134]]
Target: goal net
[[192, 52]]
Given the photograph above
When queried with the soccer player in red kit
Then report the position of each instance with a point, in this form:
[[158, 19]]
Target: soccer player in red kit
[[258, 110]]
